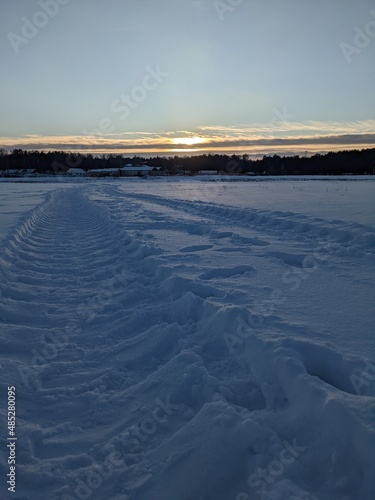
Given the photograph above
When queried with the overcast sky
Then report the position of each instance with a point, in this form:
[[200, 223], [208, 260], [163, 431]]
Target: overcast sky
[[147, 75]]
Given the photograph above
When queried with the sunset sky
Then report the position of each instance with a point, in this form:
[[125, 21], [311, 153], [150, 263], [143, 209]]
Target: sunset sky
[[181, 76]]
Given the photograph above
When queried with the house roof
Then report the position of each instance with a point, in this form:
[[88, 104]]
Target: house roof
[[137, 168], [103, 170]]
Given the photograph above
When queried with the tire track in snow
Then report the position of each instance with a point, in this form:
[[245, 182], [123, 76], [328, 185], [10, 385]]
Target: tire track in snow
[[347, 239], [57, 259], [135, 347]]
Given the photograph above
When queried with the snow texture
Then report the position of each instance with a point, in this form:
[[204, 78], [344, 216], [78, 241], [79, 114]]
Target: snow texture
[[184, 339]]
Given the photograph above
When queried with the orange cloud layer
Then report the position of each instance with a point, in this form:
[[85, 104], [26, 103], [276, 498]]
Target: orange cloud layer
[[277, 136]]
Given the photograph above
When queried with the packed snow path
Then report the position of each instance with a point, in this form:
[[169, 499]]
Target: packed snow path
[[167, 349]]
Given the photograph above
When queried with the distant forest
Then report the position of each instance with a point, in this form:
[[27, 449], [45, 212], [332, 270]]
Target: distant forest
[[356, 162]]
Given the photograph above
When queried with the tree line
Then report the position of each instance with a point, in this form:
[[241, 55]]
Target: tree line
[[356, 162]]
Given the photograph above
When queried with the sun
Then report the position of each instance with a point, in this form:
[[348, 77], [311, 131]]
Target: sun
[[189, 141]]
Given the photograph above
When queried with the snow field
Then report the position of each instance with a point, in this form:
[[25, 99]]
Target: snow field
[[169, 348]]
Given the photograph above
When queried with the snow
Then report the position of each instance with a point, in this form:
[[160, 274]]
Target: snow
[[189, 338]]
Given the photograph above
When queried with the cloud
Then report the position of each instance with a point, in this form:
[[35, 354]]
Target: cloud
[[256, 139]]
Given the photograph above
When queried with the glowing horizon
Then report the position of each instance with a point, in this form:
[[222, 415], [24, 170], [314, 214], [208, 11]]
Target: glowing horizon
[[255, 139], [181, 78], [189, 141]]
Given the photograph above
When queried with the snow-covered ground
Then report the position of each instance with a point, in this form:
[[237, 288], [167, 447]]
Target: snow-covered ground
[[189, 339]]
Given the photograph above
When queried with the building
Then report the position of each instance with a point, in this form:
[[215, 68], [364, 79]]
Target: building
[[103, 172], [140, 170], [75, 172], [11, 172], [208, 172]]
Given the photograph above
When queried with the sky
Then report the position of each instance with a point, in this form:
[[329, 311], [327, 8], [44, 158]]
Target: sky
[[184, 77]]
